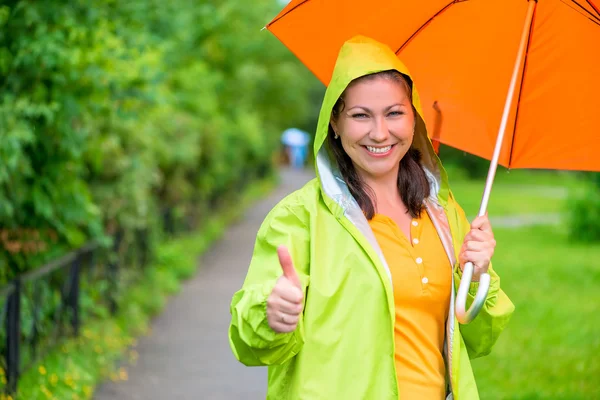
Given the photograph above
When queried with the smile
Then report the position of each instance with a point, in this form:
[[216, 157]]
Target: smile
[[378, 150]]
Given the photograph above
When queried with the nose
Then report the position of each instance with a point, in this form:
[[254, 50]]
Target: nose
[[380, 131]]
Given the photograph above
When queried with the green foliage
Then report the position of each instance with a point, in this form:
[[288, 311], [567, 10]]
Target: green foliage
[[474, 167], [107, 344], [584, 213], [113, 112]]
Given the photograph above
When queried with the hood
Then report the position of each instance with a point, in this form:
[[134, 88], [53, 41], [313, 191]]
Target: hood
[[358, 57]]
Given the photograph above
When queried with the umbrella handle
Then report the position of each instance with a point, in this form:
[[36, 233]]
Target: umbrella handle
[[464, 317]]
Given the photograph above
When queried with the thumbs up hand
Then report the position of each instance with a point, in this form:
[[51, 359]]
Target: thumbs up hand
[[284, 304]]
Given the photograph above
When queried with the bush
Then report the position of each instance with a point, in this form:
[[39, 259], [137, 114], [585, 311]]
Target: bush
[[472, 166], [584, 212], [114, 114]]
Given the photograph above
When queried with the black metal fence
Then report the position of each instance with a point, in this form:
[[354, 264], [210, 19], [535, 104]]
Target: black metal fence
[[48, 304]]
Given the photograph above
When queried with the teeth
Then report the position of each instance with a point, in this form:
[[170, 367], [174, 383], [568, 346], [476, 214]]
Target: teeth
[[379, 149]]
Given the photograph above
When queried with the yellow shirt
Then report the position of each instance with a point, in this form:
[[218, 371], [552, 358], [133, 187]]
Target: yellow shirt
[[421, 275]]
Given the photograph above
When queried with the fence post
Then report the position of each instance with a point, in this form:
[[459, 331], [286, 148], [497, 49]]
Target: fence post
[[143, 247], [73, 299], [113, 270], [13, 329]]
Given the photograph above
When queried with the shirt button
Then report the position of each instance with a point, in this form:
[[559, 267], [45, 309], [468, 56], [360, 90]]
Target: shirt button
[[419, 260], [416, 241], [415, 223], [425, 280]]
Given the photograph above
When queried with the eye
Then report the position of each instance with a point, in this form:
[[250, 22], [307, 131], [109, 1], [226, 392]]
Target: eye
[[396, 113], [359, 115]]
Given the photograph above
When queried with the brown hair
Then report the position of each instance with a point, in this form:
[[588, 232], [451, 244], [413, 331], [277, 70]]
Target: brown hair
[[413, 185]]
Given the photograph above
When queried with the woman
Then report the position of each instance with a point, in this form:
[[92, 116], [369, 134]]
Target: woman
[[350, 291]]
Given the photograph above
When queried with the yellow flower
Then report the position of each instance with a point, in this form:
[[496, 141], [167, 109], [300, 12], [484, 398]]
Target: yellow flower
[[46, 392], [42, 370], [123, 374], [87, 391], [133, 356], [53, 379]]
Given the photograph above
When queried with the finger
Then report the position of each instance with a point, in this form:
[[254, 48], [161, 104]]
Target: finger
[[282, 328], [476, 246], [287, 319], [290, 293], [285, 260], [289, 307], [281, 322], [482, 223], [478, 236], [479, 259]]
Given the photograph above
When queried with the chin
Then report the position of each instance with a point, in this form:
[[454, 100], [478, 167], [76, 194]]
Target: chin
[[381, 170]]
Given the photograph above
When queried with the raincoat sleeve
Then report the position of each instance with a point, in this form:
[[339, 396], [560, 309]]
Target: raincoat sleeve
[[251, 338], [481, 333]]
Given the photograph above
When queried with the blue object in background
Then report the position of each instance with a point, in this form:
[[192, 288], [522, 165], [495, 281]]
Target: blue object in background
[[296, 142]]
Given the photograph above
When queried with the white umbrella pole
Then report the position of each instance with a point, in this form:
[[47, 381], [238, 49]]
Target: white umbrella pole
[[464, 317]]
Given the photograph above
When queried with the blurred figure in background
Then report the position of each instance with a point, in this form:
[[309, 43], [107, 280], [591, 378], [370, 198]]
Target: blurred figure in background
[[296, 146]]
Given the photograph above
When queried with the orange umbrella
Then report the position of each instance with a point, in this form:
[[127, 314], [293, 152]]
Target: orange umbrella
[[513, 81]]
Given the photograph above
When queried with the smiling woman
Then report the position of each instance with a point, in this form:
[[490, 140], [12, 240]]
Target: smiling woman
[[375, 121], [349, 291]]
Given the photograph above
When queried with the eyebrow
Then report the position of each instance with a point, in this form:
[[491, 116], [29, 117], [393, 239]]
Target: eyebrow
[[386, 109]]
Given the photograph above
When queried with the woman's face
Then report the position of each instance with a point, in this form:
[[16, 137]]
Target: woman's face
[[376, 126]]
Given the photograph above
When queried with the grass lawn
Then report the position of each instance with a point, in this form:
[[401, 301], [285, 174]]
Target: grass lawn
[[551, 348], [516, 192]]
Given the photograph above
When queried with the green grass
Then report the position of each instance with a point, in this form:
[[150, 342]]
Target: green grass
[[516, 192], [551, 348], [72, 370]]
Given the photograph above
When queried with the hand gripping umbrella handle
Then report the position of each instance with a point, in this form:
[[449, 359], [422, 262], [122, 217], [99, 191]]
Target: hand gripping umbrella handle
[[464, 317]]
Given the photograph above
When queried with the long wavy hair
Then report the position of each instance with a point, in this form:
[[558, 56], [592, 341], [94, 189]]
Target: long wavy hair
[[413, 185]]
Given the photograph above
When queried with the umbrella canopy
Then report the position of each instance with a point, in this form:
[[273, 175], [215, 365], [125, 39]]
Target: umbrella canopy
[[462, 55], [295, 137], [514, 81]]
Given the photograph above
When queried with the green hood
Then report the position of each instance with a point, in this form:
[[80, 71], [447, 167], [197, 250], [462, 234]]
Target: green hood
[[358, 57]]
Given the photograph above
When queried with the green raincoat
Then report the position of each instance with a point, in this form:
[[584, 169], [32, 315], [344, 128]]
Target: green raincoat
[[343, 347]]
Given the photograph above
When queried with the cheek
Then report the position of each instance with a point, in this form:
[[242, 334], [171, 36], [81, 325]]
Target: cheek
[[402, 130], [354, 130]]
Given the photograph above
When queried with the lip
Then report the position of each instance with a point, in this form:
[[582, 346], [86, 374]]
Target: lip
[[379, 155]]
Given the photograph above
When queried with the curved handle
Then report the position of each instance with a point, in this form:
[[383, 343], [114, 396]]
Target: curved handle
[[464, 317]]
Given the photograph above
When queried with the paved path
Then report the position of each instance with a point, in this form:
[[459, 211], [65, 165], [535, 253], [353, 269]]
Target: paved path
[[187, 355]]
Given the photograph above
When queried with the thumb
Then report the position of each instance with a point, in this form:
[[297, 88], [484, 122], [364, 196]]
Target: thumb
[[285, 259]]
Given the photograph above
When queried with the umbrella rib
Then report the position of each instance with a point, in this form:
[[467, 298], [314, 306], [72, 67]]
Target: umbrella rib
[[427, 23], [288, 11], [593, 18], [587, 11], [512, 143], [593, 6]]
